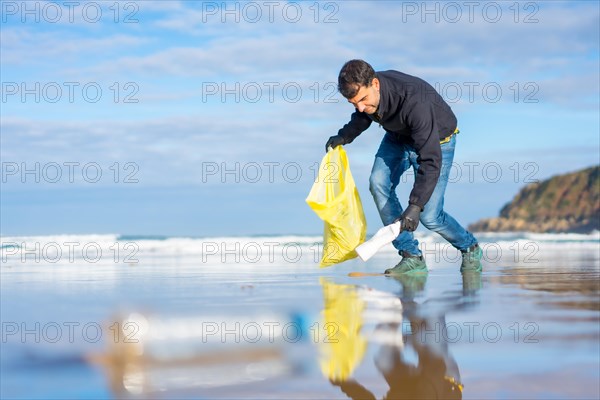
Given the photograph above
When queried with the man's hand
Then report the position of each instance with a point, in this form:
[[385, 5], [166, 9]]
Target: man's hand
[[410, 218], [334, 142]]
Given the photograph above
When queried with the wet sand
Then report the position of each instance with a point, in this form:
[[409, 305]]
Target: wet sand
[[519, 330]]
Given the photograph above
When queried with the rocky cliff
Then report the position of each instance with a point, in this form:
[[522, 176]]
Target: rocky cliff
[[564, 203]]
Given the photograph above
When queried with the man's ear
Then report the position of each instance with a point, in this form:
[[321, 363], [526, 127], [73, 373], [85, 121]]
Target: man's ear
[[375, 83]]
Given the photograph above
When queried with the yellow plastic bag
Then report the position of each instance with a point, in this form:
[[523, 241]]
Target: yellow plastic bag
[[334, 198]]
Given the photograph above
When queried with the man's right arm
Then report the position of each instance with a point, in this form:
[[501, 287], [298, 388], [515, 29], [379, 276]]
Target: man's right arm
[[359, 122]]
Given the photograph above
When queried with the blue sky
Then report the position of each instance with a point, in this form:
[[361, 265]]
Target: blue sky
[[209, 118]]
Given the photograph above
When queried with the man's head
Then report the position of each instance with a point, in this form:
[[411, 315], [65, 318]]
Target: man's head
[[358, 84]]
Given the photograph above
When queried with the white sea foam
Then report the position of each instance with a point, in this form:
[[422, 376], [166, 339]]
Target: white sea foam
[[248, 249]]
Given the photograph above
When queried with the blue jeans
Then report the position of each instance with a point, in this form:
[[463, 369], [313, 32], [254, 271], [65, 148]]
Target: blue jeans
[[391, 161]]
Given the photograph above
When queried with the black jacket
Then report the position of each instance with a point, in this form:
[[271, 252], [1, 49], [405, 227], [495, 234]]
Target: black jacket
[[412, 112]]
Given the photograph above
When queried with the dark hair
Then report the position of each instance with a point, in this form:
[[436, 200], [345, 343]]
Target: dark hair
[[353, 75]]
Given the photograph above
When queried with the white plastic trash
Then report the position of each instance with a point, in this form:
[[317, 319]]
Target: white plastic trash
[[383, 236]]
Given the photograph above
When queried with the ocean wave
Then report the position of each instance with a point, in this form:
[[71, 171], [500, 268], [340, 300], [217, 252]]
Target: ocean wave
[[61, 238], [250, 246], [540, 237], [166, 240]]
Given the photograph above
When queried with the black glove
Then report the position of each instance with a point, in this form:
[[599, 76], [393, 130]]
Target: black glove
[[334, 142], [410, 218]]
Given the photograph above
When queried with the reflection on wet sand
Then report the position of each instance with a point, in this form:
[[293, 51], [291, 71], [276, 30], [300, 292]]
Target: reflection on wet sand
[[583, 283], [152, 355], [344, 347], [435, 375]]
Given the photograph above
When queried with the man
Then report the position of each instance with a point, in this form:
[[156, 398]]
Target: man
[[420, 133]]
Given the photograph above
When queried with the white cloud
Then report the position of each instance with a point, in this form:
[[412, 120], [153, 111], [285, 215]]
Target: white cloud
[[172, 51], [22, 47]]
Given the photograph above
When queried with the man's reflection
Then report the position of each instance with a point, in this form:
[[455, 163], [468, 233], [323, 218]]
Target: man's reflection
[[435, 374]]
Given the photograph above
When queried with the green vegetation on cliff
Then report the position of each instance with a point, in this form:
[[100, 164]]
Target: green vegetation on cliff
[[564, 203]]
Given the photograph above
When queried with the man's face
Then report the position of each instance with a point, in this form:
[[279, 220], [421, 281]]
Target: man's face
[[367, 98]]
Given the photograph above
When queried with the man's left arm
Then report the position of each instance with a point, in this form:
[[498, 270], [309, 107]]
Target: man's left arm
[[422, 121]]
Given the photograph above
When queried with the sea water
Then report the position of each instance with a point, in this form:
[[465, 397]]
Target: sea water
[[111, 316]]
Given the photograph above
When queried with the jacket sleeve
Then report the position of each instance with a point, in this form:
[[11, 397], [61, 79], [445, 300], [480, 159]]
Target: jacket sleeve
[[359, 122], [421, 120]]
